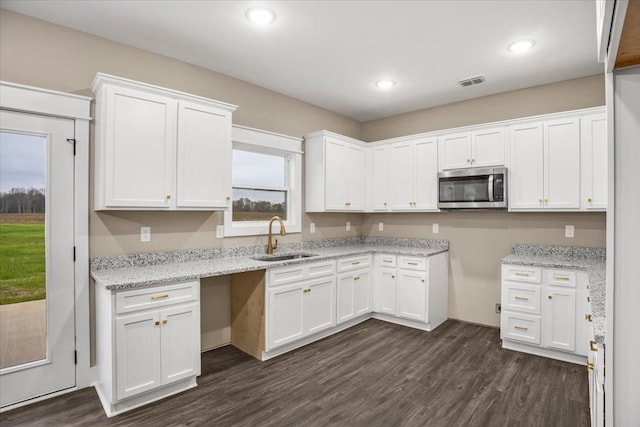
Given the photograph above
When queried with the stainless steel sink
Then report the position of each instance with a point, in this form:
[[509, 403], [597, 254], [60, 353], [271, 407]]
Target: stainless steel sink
[[283, 257]]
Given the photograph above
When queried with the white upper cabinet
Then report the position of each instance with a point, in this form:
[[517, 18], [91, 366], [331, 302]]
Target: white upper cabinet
[[594, 162], [159, 149], [413, 175], [478, 148], [545, 165], [335, 170], [379, 177], [204, 156]]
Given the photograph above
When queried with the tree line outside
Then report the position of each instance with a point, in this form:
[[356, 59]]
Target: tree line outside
[[22, 201], [245, 209]]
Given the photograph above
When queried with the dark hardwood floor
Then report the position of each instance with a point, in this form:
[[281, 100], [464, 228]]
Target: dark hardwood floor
[[374, 374]]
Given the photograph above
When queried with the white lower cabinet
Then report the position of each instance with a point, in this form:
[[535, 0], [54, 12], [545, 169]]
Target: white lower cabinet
[[540, 309], [411, 290], [354, 287], [301, 301], [148, 343]]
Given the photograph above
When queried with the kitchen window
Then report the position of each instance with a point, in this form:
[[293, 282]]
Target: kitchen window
[[266, 181]]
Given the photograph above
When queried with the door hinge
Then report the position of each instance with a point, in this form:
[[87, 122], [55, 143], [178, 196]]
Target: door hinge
[[74, 254], [75, 357], [73, 141]]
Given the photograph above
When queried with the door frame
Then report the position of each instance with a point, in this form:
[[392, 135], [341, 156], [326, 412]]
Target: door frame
[[28, 99]]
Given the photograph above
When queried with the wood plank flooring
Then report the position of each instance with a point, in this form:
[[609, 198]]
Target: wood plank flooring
[[374, 374]]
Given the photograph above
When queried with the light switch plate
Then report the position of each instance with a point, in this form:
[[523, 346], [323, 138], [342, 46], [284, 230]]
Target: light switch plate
[[312, 227], [569, 231], [436, 228], [145, 234], [381, 226], [219, 231], [348, 226]]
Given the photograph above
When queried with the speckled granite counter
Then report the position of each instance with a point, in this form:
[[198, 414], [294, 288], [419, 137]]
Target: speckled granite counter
[[591, 260], [131, 271]]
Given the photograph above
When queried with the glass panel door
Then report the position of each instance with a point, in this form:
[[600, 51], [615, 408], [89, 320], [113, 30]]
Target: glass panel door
[[23, 303]]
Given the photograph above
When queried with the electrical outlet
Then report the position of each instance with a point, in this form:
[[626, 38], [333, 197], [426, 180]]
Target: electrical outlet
[[219, 231], [498, 308], [436, 228], [348, 226], [381, 226], [145, 234], [312, 227], [569, 231]]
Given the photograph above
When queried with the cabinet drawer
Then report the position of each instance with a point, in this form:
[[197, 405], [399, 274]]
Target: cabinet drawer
[[284, 275], [521, 273], [157, 296], [521, 297], [353, 263], [279, 276], [412, 263], [385, 260], [520, 327], [561, 278], [319, 269]]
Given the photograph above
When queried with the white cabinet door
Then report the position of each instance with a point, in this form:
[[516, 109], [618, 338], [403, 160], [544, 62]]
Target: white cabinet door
[[362, 293], [337, 156], [204, 156], [426, 174], [401, 176], [412, 295], [560, 318], [137, 354], [180, 342], [562, 164], [593, 147], [456, 151], [488, 147], [345, 284], [355, 177], [380, 177], [140, 143], [384, 291], [286, 321], [319, 305], [526, 189]]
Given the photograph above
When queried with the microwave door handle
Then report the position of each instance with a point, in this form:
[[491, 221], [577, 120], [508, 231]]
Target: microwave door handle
[[490, 187]]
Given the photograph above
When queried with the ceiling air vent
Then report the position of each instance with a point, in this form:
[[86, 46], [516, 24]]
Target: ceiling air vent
[[476, 80]]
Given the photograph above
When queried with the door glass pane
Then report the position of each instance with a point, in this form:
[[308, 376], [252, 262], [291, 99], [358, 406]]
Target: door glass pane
[[23, 324]]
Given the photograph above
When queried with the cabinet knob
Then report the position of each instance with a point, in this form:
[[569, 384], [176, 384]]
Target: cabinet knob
[[540, 200], [393, 277], [168, 196], [589, 200], [157, 323], [228, 198], [356, 278], [589, 366], [164, 322], [422, 280], [588, 317], [546, 200], [385, 204], [593, 346], [550, 297]]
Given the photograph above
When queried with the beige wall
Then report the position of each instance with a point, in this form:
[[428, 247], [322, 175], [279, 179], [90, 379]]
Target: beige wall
[[562, 96], [477, 242], [37, 53]]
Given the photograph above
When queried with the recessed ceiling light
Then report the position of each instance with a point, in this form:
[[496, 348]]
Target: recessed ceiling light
[[260, 15], [521, 46], [385, 84]]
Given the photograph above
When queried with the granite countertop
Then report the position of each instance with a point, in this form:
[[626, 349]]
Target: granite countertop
[[591, 260], [131, 271]]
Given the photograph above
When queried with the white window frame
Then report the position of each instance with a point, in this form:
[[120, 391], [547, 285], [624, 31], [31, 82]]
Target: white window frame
[[264, 142]]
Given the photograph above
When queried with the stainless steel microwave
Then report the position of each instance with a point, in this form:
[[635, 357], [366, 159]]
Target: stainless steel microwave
[[474, 188]]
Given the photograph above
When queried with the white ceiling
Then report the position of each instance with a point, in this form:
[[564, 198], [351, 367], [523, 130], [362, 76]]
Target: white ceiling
[[330, 53]]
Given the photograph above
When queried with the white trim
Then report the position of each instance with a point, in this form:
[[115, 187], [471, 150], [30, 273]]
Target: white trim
[[30, 99], [265, 139], [481, 126], [102, 79], [619, 13], [58, 104], [260, 141]]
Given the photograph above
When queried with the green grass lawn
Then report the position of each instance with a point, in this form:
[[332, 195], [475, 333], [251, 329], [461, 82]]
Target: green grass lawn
[[22, 262]]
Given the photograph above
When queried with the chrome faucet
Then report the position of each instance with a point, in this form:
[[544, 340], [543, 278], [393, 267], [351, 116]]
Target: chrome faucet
[[283, 232]]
